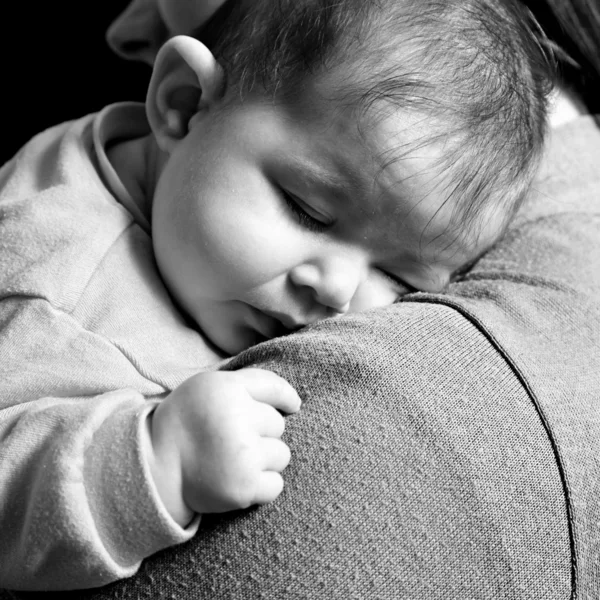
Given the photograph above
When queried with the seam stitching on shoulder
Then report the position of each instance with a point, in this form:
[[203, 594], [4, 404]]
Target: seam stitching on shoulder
[[95, 269], [555, 450]]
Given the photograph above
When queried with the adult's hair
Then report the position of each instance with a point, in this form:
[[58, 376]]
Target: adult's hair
[[574, 28], [473, 70]]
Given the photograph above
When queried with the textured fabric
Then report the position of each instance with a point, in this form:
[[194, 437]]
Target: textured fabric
[[447, 447], [89, 339]]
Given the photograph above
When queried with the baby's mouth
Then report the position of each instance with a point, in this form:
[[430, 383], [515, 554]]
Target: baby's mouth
[[286, 324], [271, 324], [265, 326]]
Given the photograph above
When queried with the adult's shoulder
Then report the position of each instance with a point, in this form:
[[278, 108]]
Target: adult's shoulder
[[419, 468], [536, 298], [569, 177], [460, 420]]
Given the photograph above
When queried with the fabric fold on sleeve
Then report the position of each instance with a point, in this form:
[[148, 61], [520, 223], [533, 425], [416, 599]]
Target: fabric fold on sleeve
[[79, 508]]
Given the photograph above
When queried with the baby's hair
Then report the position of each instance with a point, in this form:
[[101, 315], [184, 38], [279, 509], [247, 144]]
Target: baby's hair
[[473, 71]]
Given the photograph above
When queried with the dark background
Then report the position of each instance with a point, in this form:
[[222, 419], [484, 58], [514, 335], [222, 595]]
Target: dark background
[[57, 66]]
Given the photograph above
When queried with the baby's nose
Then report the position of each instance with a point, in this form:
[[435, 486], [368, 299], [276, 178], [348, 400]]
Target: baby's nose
[[333, 283], [138, 32], [335, 296]]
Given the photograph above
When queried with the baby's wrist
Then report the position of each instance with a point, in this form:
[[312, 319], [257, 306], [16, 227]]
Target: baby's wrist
[[165, 469]]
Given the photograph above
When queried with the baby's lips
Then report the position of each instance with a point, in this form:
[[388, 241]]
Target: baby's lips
[[286, 322]]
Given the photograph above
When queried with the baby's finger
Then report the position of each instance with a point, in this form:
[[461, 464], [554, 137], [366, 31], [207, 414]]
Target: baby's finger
[[267, 421], [276, 454], [269, 487], [270, 388]]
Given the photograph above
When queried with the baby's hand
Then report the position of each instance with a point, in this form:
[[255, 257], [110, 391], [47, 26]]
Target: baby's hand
[[215, 442]]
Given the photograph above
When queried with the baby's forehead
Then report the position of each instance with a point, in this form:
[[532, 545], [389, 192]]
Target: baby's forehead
[[392, 183], [420, 217], [397, 196]]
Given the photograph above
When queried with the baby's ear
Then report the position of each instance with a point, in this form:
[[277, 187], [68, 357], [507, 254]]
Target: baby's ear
[[186, 79]]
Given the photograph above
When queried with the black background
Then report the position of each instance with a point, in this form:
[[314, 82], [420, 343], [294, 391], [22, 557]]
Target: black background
[[56, 66]]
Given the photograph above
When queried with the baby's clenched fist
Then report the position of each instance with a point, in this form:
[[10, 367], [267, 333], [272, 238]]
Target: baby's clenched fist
[[214, 442]]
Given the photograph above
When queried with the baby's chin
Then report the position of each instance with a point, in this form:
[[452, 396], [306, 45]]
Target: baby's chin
[[232, 343], [235, 327]]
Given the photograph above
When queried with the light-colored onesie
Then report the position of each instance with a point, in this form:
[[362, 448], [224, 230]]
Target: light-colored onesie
[[89, 342]]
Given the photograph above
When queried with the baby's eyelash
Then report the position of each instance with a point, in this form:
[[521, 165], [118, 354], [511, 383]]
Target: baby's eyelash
[[304, 218]]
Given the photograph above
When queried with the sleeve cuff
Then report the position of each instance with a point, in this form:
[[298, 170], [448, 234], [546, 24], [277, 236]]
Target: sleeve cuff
[[130, 518]]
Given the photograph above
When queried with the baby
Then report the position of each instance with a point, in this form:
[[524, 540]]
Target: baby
[[309, 159]]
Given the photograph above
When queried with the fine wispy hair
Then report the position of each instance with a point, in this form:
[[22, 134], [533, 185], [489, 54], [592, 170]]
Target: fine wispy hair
[[473, 71]]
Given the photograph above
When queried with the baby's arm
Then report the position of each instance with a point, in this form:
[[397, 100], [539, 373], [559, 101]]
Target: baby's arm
[[213, 445], [77, 503], [78, 506]]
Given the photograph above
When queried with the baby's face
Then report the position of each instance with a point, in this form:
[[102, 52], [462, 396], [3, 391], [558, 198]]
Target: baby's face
[[265, 221]]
